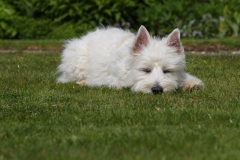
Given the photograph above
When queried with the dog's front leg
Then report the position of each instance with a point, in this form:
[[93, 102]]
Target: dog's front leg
[[191, 83]]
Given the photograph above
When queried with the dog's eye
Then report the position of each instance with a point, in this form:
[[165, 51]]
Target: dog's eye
[[166, 71], [146, 70]]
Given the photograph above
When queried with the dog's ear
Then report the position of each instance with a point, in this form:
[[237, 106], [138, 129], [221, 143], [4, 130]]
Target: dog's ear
[[142, 39], [173, 40]]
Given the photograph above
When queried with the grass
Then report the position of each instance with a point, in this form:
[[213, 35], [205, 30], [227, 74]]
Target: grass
[[30, 44], [227, 43], [40, 119]]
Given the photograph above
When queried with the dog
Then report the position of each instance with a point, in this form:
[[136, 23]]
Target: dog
[[116, 58]]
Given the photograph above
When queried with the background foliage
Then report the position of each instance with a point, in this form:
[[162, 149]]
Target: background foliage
[[62, 19]]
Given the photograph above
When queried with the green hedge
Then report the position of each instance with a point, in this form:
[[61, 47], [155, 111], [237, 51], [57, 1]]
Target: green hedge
[[62, 19]]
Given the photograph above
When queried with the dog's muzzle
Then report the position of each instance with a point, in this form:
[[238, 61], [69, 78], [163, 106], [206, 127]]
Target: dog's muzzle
[[157, 89]]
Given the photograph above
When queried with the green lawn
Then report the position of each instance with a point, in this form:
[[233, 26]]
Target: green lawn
[[228, 43], [32, 44], [40, 119]]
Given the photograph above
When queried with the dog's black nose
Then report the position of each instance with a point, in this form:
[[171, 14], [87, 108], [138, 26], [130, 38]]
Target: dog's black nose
[[157, 89]]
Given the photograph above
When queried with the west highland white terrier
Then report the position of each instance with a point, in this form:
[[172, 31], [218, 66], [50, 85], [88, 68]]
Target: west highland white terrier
[[116, 58]]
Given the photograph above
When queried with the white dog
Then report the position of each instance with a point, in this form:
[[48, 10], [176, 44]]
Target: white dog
[[116, 58]]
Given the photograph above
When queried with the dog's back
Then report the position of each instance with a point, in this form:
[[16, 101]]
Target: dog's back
[[95, 57]]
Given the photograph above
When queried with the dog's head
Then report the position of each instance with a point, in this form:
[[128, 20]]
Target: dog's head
[[157, 64]]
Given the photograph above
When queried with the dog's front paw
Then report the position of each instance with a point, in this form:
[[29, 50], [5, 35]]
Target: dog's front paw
[[81, 82], [194, 84]]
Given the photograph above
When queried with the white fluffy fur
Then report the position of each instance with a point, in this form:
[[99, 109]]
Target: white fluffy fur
[[116, 58]]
